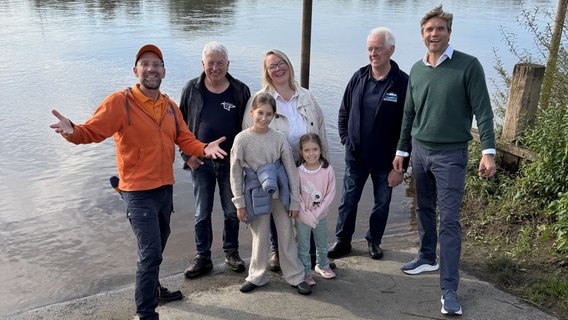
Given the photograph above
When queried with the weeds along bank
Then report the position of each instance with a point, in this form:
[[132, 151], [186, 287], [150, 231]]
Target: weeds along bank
[[516, 224]]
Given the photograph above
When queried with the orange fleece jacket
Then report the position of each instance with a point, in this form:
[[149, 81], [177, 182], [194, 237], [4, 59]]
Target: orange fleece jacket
[[145, 148]]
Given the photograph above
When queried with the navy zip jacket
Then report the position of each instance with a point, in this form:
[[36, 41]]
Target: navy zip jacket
[[387, 121]]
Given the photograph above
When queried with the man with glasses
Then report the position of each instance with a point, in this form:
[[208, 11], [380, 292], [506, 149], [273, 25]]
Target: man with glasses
[[146, 126], [213, 106], [369, 126]]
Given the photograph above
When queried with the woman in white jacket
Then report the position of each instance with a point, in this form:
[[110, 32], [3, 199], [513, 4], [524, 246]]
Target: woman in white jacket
[[297, 113]]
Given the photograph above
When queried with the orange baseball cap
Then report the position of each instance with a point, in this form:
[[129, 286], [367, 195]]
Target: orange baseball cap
[[148, 48]]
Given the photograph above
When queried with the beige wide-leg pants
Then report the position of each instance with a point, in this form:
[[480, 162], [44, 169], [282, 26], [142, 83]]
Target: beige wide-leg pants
[[292, 267]]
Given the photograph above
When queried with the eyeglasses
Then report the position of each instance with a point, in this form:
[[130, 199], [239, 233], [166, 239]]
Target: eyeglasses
[[280, 65], [153, 64]]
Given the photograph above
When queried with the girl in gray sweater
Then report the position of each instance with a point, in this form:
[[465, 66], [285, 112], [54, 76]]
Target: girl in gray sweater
[[256, 146]]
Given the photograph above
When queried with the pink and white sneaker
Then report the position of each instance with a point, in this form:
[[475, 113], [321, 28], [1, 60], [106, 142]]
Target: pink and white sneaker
[[309, 280], [325, 272]]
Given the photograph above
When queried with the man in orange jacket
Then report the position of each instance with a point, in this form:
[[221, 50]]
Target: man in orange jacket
[[146, 126]]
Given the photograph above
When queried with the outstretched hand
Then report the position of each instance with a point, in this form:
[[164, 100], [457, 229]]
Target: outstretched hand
[[63, 126], [212, 150]]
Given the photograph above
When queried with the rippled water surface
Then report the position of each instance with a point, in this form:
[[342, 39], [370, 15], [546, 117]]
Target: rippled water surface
[[63, 232]]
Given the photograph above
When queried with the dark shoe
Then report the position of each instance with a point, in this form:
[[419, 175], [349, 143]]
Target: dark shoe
[[234, 261], [450, 303], [200, 265], [248, 286], [375, 251], [303, 288], [274, 262], [332, 265], [165, 295], [419, 265], [338, 250]]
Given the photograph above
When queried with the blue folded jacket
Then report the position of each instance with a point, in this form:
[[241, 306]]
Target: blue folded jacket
[[261, 185]]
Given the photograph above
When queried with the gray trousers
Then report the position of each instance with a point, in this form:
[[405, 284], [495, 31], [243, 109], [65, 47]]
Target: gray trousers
[[440, 179]]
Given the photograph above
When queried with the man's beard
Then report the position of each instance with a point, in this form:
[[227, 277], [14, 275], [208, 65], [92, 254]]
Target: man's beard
[[153, 84]]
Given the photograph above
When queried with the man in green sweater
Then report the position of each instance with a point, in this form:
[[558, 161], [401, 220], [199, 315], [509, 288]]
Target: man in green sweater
[[445, 90]]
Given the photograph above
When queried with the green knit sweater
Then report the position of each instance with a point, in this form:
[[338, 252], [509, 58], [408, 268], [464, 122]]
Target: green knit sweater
[[441, 102]]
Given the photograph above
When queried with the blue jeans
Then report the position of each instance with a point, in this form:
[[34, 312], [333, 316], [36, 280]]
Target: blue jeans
[[356, 174], [319, 235], [440, 179], [204, 180], [274, 238], [149, 215]]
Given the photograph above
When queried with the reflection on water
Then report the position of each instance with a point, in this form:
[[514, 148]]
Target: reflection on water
[[63, 231]]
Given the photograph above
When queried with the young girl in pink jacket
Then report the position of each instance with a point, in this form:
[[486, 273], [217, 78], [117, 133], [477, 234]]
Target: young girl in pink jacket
[[317, 190]]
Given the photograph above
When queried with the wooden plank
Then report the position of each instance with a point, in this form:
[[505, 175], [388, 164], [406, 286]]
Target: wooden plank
[[508, 147]]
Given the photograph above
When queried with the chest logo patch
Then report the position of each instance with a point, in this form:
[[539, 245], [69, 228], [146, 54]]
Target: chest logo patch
[[391, 97], [228, 106]]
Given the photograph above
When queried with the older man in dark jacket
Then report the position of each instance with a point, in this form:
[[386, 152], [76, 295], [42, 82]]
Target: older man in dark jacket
[[369, 124], [213, 105]]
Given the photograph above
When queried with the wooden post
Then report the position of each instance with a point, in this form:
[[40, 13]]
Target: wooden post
[[306, 44], [523, 100]]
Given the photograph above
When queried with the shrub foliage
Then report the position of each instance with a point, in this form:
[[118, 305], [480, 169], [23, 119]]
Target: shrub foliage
[[536, 195]]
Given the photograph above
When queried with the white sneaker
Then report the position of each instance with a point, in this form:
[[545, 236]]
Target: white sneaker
[[310, 280], [325, 272]]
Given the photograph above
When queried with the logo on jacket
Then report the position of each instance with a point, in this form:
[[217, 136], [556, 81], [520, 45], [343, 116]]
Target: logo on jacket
[[227, 106], [391, 97]]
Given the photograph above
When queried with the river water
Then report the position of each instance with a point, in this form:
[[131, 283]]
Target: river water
[[63, 231]]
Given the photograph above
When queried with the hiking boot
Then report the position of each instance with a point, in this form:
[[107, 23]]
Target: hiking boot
[[450, 303], [200, 265], [165, 295], [234, 261], [326, 272], [338, 250], [274, 262], [419, 265]]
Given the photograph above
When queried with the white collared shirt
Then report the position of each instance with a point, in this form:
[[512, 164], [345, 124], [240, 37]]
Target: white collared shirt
[[296, 125], [446, 55]]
